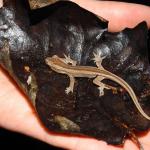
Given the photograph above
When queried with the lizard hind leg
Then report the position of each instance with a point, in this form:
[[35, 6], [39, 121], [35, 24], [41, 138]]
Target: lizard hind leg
[[101, 86]]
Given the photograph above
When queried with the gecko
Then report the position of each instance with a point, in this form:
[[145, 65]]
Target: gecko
[[69, 67]]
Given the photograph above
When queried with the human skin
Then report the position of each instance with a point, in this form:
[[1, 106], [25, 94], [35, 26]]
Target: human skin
[[16, 112]]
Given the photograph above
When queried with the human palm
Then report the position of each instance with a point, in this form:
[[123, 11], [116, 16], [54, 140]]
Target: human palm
[[17, 114]]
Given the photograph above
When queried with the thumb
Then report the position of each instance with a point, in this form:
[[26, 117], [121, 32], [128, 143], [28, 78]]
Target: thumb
[[119, 14]]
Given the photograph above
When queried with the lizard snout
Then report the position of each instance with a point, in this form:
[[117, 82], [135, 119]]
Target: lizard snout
[[48, 61]]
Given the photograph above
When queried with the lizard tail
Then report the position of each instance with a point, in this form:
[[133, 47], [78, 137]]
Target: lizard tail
[[128, 88]]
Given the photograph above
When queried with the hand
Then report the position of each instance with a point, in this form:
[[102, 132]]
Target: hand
[[17, 114]]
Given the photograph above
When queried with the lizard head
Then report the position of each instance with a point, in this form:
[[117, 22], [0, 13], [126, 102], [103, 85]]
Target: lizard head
[[52, 61], [56, 64]]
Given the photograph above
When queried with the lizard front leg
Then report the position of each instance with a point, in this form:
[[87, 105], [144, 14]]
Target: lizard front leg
[[71, 85], [68, 60]]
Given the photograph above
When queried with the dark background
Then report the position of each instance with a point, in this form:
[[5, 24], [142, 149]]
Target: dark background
[[17, 141]]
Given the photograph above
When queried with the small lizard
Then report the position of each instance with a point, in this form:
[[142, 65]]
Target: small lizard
[[68, 66]]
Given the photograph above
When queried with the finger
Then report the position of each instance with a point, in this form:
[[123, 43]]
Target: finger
[[119, 14], [16, 114], [1, 3]]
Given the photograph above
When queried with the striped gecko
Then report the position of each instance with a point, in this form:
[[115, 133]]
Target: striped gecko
[[68, 66]]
